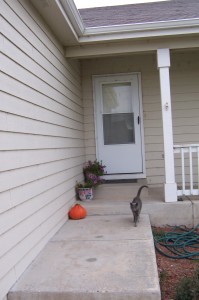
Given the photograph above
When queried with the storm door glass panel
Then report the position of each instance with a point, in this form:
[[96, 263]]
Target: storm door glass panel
[[118, 116]]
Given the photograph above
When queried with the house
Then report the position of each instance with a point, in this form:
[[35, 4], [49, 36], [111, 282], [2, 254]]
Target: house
[[118, 83]]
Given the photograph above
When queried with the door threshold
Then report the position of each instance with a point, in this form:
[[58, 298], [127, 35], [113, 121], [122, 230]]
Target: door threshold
[[120, 181], [124, 176]]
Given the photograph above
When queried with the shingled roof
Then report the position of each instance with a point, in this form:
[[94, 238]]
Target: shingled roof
[[140, 13]]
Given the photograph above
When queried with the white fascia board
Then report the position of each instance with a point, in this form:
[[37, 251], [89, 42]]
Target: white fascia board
[[140, 30], [74, 15], [137, 35], [142, 26]]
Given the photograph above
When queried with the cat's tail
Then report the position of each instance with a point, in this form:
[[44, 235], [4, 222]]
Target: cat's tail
[[140, 189]]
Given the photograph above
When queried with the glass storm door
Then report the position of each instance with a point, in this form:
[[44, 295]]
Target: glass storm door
[[118, 132]]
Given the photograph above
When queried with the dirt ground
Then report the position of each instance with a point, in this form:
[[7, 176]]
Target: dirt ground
[[171, 271]]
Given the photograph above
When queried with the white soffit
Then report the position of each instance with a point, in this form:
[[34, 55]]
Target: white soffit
[[132, 46], [57, 19]]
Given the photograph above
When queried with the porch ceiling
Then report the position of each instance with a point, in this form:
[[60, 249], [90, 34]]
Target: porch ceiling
[[131, 46]]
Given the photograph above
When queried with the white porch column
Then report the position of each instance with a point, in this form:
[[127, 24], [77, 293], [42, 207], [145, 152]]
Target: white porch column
[[170, 186]]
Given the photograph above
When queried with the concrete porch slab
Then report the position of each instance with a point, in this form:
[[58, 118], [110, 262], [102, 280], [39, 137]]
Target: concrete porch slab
[[184, 212], [106, 228], [100, 257]]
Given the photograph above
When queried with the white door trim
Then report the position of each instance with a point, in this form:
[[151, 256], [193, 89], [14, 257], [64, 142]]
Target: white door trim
[[122, 176]]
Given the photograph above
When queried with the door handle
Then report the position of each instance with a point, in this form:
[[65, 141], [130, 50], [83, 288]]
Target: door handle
[[138, 120]]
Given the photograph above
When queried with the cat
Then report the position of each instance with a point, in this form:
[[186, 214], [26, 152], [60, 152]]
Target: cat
[[136, 205]]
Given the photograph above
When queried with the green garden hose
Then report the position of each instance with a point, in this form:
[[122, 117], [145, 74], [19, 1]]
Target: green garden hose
[[179, 243]]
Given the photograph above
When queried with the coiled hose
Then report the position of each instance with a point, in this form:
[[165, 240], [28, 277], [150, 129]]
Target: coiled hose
[[179, 243]]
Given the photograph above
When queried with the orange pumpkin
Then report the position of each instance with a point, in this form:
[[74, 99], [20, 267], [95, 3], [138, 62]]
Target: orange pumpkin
[[77, 212]]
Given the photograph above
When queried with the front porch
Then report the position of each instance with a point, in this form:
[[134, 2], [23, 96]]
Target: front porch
[[114, 199], [47, 120], [169, 109], [104, 256], [97, 258]]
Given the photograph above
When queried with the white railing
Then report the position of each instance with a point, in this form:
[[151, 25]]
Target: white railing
[[187, 161]]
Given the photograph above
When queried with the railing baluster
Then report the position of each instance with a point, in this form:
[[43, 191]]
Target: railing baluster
[[193, 160], [183, 170], [191, 170], [198, 169]]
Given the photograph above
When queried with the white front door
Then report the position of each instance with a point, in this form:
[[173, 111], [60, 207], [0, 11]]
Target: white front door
[[118, 123]]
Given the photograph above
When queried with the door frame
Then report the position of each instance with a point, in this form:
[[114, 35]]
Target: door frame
[[122, 176]]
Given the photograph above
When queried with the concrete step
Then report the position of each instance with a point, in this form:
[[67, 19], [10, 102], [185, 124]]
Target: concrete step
[[97, 258], [126, 191], [161, 213]]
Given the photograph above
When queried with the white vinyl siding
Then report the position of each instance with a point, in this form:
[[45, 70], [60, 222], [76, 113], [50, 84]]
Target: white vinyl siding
[[185, 102], [185, 93], [41, 137]]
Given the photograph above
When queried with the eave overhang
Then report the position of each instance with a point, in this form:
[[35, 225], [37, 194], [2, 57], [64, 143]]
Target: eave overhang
[[69, 28]]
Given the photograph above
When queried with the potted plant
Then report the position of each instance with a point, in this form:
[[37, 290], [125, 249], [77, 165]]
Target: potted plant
[[93, 172], [84, 191], [92, 176]]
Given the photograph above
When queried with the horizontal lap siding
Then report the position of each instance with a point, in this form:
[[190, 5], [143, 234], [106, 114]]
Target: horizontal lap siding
[[185, 96], [185, 106], [146, 64], [41, 134]]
